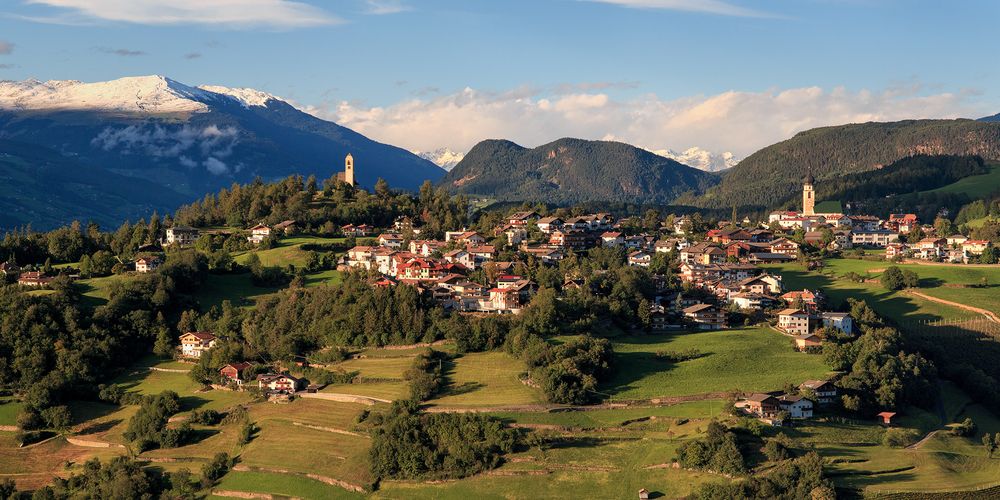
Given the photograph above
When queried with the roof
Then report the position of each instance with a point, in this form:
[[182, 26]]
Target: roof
[[814, 384], [759, 397], [201, 335], [697, 308], [789, 312], [887, 414]]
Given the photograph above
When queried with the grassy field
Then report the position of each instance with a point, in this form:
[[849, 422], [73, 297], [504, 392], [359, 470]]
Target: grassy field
[[486, 379], [950, 282], [748, 359], [97, 290], [617, 417], [281, 484], [976, 186], [9, 408], [899, 306]]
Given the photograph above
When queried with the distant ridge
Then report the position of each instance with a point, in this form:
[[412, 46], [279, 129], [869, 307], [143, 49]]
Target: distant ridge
[[572, 171]]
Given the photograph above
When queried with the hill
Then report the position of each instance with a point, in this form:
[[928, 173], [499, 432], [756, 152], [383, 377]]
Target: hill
[[192, 140], [43, 188], [772, 175], [994, 118], [572, 171]]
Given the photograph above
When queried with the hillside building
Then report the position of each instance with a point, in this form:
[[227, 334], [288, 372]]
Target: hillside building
[[347, 176]]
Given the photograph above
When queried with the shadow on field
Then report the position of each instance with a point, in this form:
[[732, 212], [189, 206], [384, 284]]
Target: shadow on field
[[192, 402], [632, 367], [100, 427]]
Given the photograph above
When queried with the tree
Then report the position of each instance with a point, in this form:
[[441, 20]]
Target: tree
[[989, 444], [892, 278]]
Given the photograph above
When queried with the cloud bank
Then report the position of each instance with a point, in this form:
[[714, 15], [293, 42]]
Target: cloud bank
[[703, 6], [741, 122], [277, 14]]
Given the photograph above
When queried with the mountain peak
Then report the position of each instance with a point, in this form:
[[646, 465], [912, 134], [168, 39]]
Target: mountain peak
[[133, 94], [246, 96]]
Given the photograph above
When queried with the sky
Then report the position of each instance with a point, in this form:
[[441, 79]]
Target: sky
[[723, 75]]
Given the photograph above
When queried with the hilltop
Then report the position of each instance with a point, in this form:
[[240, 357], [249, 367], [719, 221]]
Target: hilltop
[[571, 171], [772, 175]]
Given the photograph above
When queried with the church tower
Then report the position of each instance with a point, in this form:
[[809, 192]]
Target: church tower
[[808, 195], [349, 169]]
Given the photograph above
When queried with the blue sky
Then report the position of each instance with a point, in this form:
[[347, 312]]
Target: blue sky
[[724, 75]]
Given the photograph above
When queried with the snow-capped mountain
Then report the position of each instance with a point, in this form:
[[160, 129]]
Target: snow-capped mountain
[[190, 140], [140, 94], [700, 158], [442, 157]]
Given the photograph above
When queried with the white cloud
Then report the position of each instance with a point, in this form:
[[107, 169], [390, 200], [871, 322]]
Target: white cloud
[[741, 122], [382, 7], [278, 14], [704, 6]]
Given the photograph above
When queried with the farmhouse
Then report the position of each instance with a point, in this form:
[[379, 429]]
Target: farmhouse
[[762, 405], [278, 383], [147, 264], [233, 373], [796, 406], [824, 390], [34, 278], [259, 233], [808, 343], [181, 235], [794, 321], [194, 344], [706, 316], [839, 321]]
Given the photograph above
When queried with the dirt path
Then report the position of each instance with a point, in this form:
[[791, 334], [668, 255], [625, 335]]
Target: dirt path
[[989, 314], [926, 438], [343, 398], [329, 429]]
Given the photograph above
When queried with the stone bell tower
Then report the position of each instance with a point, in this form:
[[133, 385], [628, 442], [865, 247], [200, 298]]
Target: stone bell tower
[[347, 176], [808, 195]]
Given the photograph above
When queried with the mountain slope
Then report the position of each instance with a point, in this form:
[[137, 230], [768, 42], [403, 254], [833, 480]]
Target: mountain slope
[[773, 175], [41, 187], [994, 118], [442, 157], [571, 171], [194, 140]]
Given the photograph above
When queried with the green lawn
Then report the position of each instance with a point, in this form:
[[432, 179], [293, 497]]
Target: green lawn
[[748, 359], [976, 186], [948, 282], [281, 484], [97, 290], [486, 379], [9, 408], [236, 288]]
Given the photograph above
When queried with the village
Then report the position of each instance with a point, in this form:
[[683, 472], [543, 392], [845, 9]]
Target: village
[[723, 273]]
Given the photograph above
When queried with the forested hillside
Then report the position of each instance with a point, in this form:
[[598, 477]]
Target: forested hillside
[[773, 175], [571, 171]]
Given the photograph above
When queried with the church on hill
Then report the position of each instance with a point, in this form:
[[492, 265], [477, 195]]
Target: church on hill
[[829, 212], [347, 176]]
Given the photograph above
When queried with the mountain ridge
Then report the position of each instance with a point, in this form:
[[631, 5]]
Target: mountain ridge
[[572, 170]]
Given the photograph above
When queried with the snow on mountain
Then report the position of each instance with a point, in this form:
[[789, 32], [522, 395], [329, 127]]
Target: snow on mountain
[[700, 158], [442, 157], [246, 97], [140, 94]]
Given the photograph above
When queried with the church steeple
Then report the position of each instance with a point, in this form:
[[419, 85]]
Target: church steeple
[[808, 195]]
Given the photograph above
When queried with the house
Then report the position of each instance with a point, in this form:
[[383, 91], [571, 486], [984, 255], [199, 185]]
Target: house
[[785, 246], [877, 238], [34, 278], [885, 418], [286, 227], [838, 320], [808, 343], [762, 405], [259, 233], [575, 239], [901, 223], [894, 250], [864, 222], [796, 406], [703, 253], [147, 264], [278, 383], [644, 494], [549, 224], [975, 247], [194, 344], [233, 373], [640, 258], [763, 284], [794, 321], [390, 240], [824, 391], [770, 258], [468, 237], [929, 248], [705, 316], [181, 235], [612, 239], [521, 219], [956, 239]]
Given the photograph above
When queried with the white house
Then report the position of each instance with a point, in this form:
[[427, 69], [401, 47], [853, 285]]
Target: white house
[[794, 321], [193, 344], [259, 233], [796, 406], [840, 321]]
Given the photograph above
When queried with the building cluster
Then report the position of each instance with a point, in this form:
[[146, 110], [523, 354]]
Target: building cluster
[[776, 408], [238, 375]]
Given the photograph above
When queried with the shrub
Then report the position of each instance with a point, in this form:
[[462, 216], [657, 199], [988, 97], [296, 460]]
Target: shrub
[[899, 438]]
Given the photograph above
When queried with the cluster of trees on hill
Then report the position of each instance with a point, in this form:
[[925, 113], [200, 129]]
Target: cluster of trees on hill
[[52, 348], [879, 372], [409, 444], [324, 210]]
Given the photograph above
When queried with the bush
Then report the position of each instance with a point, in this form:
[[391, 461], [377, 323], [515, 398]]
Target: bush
[[899, 438], [205, 417], [965, 429], [215, 469], [678, 356]]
